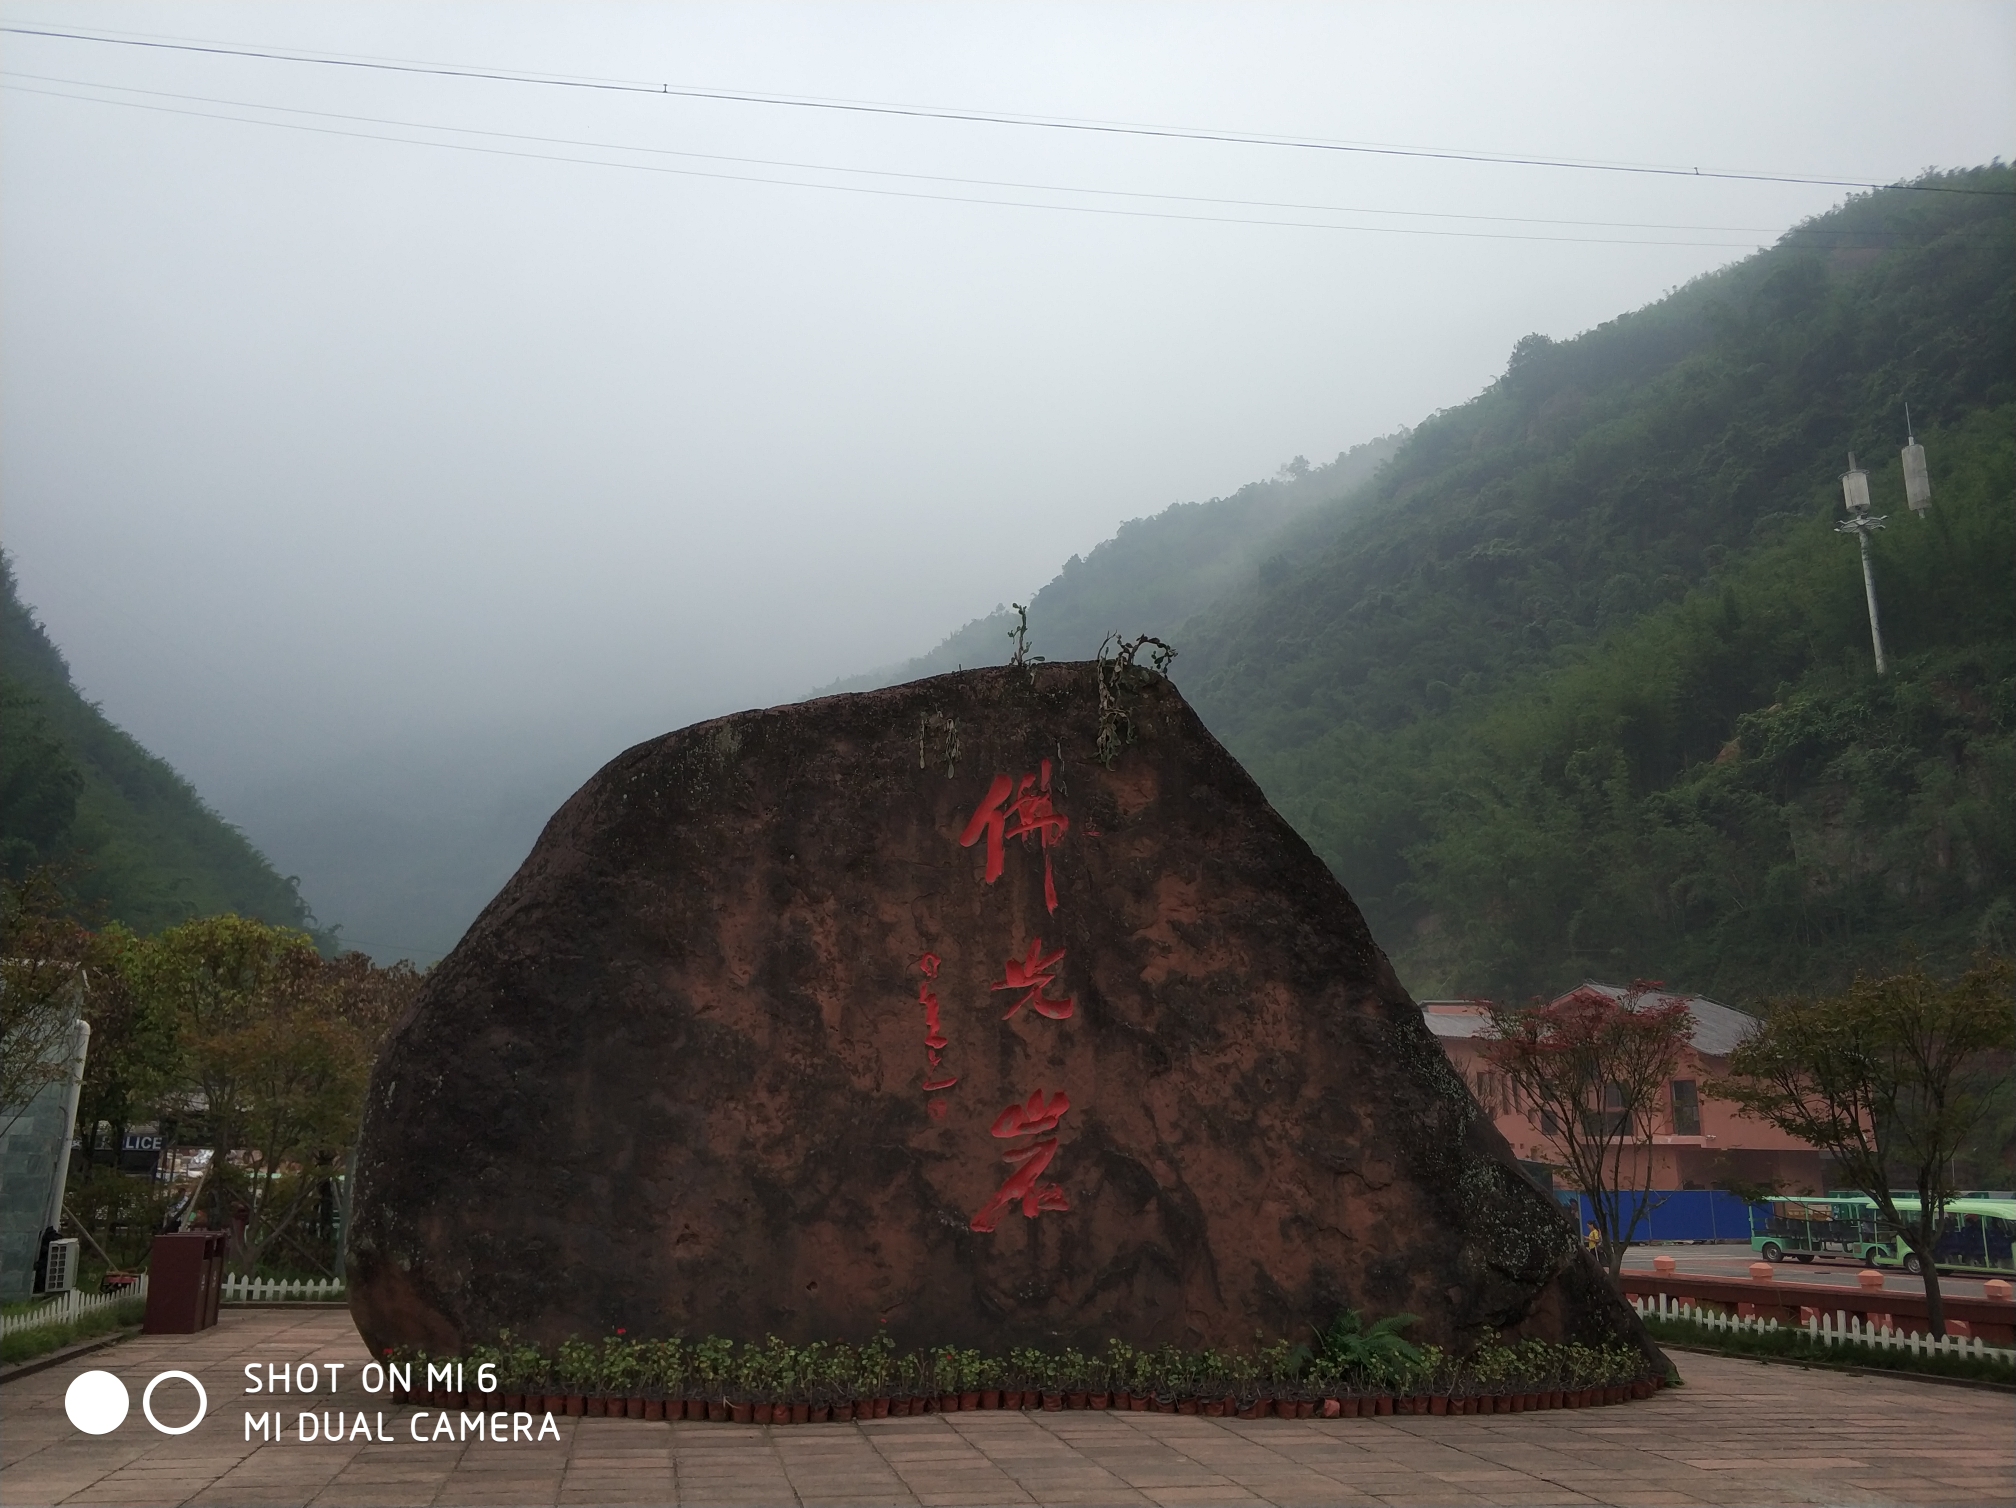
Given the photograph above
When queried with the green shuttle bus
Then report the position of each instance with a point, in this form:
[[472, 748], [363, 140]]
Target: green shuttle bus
[[1836, 1225], [1975, 1237]]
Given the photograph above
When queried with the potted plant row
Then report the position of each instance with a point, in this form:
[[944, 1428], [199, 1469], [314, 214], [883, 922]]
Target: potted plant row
[[1350, 1372]]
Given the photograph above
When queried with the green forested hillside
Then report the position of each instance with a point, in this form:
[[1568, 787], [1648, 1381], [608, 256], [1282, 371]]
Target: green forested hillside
[[135, 840], [1580, 682], [1584, 685]]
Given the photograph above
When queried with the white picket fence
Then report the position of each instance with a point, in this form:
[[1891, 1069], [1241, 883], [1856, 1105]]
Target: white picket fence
[[1838, 1328], [65, 1307], [239, 1289]]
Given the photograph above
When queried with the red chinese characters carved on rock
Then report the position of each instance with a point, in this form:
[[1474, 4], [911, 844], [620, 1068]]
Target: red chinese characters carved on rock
[[935, 1043], [1030, 810], [1024, 809], [1034, 975], [1038, 1114]]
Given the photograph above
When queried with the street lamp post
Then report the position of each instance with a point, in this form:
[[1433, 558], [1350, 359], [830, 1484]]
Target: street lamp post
[[1861, 524]]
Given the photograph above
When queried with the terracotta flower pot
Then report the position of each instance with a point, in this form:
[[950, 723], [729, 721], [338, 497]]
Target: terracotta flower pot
[[1252, 1410], [759, 1413], [741, 1413], [990, 1398], [1214, 1408], [801, 1413], [1382, 1405], [718, 1411], [1186, 1406], [843, 1413], [969, 1401], [1438, 1406], [654, 1408], [949, 1403], [1077, 1400], [1305, 1408], [882, 1406], [1165, 1406], [576, 1405], [1333, 1408]]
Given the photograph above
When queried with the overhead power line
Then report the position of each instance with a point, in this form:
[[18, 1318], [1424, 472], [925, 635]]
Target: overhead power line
[[819, 167], [884, 193], [923, 112]]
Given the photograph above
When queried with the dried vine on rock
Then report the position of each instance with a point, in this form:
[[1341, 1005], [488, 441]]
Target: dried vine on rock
[[1119, 678]]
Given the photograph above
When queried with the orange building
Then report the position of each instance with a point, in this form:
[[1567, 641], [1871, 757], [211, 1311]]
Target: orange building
[[1697, 1142]]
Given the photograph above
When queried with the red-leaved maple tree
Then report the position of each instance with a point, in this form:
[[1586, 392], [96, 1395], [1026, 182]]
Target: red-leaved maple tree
[[1596, 1066]]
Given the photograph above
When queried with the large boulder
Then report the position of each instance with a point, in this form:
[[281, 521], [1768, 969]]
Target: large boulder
[[905, 1009]]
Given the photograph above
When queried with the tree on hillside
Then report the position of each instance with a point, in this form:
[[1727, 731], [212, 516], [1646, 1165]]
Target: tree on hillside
[[1890, 1078], [1596, 1068]]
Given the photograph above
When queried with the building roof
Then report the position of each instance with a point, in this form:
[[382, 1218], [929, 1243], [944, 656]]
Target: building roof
[[1717, 1027], [1454, 1018]]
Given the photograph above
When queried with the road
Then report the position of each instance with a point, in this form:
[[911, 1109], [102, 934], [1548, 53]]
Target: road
[[1731, 1260]]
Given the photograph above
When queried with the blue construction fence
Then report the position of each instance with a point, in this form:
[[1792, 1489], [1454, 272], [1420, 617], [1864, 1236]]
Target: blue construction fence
[[1677, 1214]]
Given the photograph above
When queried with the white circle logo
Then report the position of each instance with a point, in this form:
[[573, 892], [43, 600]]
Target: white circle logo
[[96, 1402], [147, 1403]]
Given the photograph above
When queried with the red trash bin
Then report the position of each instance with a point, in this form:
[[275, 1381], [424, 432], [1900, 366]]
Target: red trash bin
[[185, 1282]]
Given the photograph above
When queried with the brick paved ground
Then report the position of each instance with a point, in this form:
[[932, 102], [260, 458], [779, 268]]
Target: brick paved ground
[[1738, 1433]]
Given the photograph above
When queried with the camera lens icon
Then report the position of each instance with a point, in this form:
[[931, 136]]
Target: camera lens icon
[[97, 1402]]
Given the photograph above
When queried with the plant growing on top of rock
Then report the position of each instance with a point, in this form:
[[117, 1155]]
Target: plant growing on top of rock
[[1119, 678]]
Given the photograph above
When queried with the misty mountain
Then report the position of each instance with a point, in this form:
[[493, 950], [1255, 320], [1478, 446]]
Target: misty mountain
[[1575, 677], [137, 843], [1156, 572], [1572, 678]]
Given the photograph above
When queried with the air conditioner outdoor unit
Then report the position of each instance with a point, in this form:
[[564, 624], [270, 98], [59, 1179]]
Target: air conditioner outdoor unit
[[60, 1270]]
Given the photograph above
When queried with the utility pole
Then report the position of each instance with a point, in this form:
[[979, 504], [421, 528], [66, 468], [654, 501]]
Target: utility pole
[[1855, 492]]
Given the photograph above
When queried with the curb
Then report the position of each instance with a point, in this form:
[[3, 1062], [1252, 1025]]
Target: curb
[[57, 1357], [1852, 1369]]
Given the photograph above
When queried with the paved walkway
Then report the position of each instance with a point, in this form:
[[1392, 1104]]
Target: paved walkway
[[1738, 1433]]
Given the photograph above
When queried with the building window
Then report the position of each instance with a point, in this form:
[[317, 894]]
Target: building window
[[1686, 1108], [1612, 1119], [1549, 1126]]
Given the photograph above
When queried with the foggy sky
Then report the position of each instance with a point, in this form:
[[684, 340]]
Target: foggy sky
[[321, 454]]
